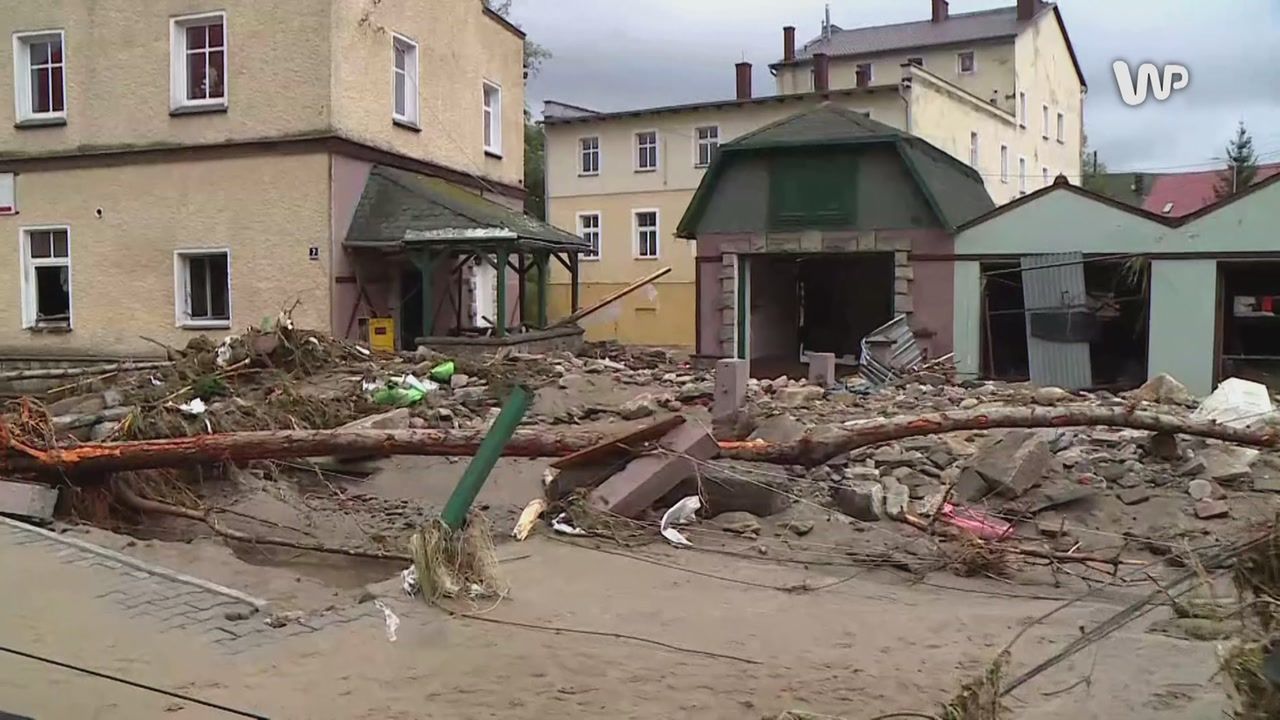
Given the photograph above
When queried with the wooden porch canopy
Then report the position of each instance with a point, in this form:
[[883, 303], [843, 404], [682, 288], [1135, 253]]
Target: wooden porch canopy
[[431, 221]]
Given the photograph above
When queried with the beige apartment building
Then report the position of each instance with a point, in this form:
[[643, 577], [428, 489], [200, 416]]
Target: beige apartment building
[[999, 89], [185, 167]]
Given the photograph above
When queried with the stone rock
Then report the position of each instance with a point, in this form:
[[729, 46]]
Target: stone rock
[[970, 486], [1200, 489], [102, 431], [1014, 464], [1266, 483], [1050, 395], [739, 523], [1113, 471], [862, 500], [1163, 446], [823, 474], [896, 499], [1127, 479], [471, 394], [78, 405], [779, 429], [862, 473], [1193, 466], [1227, 463], [1163, 388], [892, 456], [695, 391], [941, 458], [1208, 509], [1134, 496], [460, 380], [641, 407], [240, 614], [734, 485], [929, 378], [918, 485], [112, 398], [969, 403], [443, 414], [799, 395], [801, 527]]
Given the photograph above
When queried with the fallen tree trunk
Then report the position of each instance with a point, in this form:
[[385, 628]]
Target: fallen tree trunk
[[43, 373], [277, 445], [813, 450]]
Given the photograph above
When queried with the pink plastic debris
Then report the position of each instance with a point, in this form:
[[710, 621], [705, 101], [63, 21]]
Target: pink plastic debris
[[976, 523]]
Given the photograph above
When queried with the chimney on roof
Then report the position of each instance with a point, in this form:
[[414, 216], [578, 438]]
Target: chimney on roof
[[1026, 9], [744, 80], [788, 43], [821, 72], [941, 9]]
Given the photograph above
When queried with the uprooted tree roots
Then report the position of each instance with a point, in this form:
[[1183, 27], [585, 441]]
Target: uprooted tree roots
[[1257, 580], [979, 699], [452, 562]]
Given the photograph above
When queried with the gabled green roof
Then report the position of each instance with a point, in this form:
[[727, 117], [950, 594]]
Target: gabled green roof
[[954, 190], [399, 207]]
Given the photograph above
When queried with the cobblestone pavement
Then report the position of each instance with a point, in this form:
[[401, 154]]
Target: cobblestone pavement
[[231, 621]]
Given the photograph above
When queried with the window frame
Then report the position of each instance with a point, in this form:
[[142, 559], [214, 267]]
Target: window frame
[[635, 234], [919, 64], [178, 50], [1004, 163], [698, 142], [657, 156], [871, 72], [1022, 174], [1044, 172], [412, 84], [27, 282], [493, 116], [582, 154], [23, 92], [1022, 109], [1062, 127], [598, 229], [974, 149], [181, 278], [1044, 120], [973, 59]]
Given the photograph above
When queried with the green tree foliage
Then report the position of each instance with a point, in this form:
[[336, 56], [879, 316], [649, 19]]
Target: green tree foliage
[[1092, 169], [1242, 165]]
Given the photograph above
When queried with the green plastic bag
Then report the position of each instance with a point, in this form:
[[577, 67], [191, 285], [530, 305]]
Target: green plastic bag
[[443, 372], [398, 396]]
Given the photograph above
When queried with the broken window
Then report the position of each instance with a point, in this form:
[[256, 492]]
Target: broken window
[[204, 289], [46, 278]]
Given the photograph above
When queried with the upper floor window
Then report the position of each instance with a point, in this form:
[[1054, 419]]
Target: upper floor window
[[46, 277], [917, 61], [1022, 108], [41, 80], [1022, 176], [966, 63], [1044, 121], [404, 80], [1004, 163], [973, 150], [1062, 127], [708, 140], [589, 148], [1044, 171], [589, 230], [198, 67], [863, 74], [646, 233], [647, 150], [492, 118]]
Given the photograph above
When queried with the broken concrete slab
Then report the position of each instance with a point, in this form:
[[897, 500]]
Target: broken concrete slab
[[646, 479], [1014, 464], [779, 429], [863, 500], [1266, 483], [28, 501], [1236, 402], [1228, 463], [1163, 446], [1209, 509], [896, 501], [1134, 496], [822, 369], [1050, 395], [1193, 466], [738, 523], [1163, 388], [799, 395], [733, 485], [730, 388], [1200, 489]]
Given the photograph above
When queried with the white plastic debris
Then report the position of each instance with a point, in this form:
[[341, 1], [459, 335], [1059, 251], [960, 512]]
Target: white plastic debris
[[393, 622], [222, 356], [549, 476], [195, 407], [561, 525], [529, 518], [681, 513], [1237, 403], [409, 578]]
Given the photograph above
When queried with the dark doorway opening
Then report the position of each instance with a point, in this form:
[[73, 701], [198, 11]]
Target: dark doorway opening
[[1249, 318], [411, 318], [1004, 322]]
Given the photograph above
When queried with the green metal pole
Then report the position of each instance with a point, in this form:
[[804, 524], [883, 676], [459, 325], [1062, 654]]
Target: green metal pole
[[542, 261], [500, 323], [474, 477], [426, 263]]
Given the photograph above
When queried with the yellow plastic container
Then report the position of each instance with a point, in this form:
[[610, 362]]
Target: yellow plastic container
[[382, 334]]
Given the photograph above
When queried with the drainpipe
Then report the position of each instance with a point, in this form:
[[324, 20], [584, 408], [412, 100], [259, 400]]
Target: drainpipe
[[904, 92]]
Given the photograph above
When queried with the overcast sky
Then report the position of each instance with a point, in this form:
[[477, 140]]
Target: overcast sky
[[611, 55]]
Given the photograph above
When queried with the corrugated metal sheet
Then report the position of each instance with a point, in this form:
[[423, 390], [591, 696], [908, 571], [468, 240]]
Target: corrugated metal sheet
[[903, 352], [1056, 287]]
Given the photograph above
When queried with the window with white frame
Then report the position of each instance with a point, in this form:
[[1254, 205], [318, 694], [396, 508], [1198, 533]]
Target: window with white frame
[[1044, 121], [8, 193], [647, 150], [1004, 163], [917, 61], [1022, 176], [202, 288], [40, 92], [199, 63], [46, 277], [708, 140], [646, 233], [863, 74], [966, 63], [1022, 108], [1062, 127], [1045, 172], [589, 230], [973, 150], [404, 80], [492, 118], [589, 148]]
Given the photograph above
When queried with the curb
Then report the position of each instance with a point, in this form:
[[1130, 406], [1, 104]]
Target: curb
[[135, 563]]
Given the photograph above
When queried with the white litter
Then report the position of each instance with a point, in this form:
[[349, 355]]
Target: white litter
[[564, 528], [222, 357], [195, 407], [681, 513], [1237, 403], [393, 622], [529, 518], [409, 577]]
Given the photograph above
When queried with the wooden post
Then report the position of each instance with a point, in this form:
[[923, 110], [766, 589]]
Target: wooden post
[[542, 261], [573, 282], [500, 322]]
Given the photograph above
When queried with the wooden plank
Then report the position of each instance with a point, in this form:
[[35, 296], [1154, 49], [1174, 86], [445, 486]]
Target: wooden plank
[[607, 450]]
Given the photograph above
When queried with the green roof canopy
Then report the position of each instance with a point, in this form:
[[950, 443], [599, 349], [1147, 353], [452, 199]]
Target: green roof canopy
[[953, 189], [401, 208]]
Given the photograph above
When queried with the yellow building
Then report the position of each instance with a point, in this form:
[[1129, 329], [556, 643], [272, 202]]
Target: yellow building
[[998, 89], [192, 167]]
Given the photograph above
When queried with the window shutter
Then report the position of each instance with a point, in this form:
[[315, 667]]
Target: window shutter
[[812, 190]]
